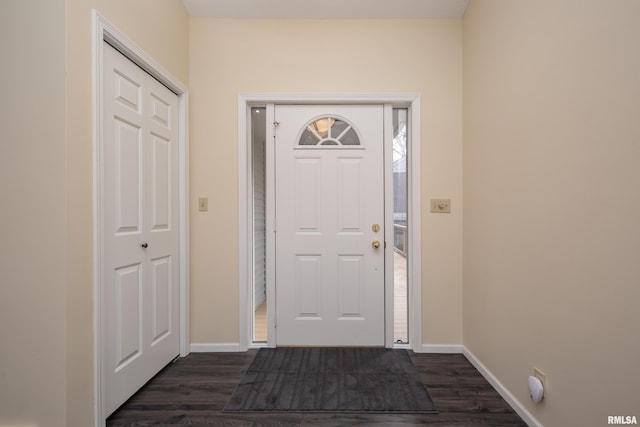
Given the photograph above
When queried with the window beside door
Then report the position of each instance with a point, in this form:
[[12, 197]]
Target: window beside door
[[258, 136], [400, 228]]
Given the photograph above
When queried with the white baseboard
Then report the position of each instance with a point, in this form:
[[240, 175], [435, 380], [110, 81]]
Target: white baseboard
[[220, 347], [439, 348], [502, 390]]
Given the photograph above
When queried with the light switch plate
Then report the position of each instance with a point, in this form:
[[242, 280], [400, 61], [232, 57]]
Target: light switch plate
[[441, 205], [203, 204]]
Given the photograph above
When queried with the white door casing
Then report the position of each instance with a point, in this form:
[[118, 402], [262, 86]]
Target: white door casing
[[140, 228], [329, 277]]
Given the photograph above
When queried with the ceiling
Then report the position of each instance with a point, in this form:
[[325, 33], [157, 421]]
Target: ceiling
[[326, 9]]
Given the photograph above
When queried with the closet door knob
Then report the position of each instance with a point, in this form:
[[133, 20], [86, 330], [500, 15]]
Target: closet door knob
[[145, 245]]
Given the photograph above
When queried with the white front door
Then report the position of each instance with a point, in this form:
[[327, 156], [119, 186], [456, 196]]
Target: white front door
[[140, 288], [329, 175]]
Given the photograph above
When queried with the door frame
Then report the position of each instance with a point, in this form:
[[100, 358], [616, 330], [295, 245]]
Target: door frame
[[104, 31], [245, 273]]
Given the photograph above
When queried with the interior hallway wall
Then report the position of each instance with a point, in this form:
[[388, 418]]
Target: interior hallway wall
[[32, 214], [551, 230], [229, 57]]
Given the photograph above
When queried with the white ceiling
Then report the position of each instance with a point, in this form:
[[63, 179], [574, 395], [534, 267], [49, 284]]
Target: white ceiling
[[326, 9]]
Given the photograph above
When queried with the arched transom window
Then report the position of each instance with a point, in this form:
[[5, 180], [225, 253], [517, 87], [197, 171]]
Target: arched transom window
[[329, 132]]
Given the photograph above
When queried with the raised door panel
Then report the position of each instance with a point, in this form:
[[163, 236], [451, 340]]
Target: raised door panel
[[307, 180], [308, 297], [160, 184], [351, 288], [127, 157], [127, 89], [161, 301], [349, 195], [128, 315]]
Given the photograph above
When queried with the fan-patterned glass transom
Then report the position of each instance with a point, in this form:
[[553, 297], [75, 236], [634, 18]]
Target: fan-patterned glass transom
[[329, 131]]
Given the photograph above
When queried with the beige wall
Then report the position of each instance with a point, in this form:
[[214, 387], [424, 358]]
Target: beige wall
[[32, 222], [551, 230], [39, 279], [318, 56]]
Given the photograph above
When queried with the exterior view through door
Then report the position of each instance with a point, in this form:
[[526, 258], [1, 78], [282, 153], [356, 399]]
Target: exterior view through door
[[329, 225]]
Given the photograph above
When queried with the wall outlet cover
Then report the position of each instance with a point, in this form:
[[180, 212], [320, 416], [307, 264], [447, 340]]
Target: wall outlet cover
[[539, 375], [440, 205]]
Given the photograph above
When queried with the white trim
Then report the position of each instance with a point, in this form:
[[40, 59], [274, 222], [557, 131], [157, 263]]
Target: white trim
[[103, 31], [97, 78], [414, 220], [183, 178], [245, 224], [270, 224], [221, 347], [501, 389], [440, 348], [244, 198], [329, 98], [389, 299]]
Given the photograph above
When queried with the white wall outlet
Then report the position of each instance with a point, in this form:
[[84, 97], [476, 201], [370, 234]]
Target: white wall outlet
[[441, 205], [203, 204], [539, 375]]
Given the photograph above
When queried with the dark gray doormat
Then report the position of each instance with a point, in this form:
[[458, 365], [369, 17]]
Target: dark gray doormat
[[373, 380]]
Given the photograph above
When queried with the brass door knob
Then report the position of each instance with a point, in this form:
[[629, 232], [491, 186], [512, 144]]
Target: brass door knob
[[375, 244]]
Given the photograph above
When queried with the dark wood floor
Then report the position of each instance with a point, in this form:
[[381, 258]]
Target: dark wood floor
[[194, 389]]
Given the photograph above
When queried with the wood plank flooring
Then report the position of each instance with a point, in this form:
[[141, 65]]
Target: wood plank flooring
[[194, 389]]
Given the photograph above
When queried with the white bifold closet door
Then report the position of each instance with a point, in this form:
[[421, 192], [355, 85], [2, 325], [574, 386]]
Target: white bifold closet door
[[139, 208]]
